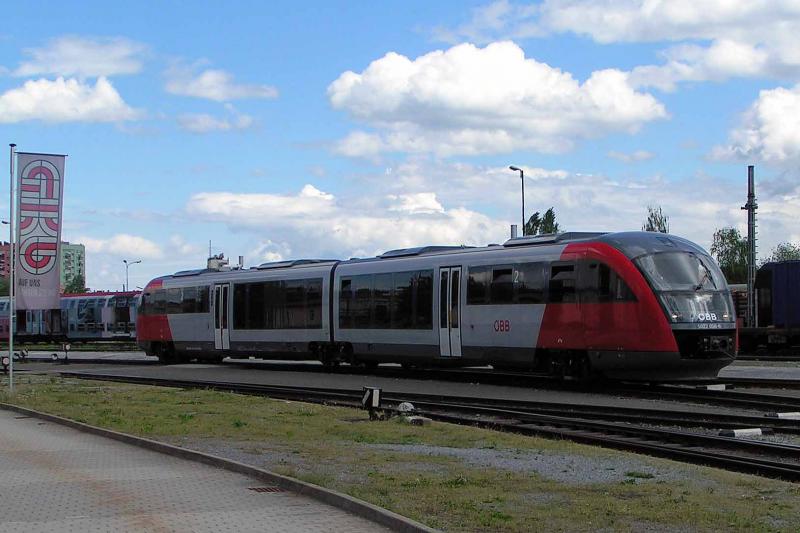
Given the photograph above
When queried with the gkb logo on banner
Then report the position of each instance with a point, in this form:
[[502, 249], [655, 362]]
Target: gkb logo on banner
[[40, 190]]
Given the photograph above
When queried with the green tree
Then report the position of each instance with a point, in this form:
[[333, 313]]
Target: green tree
[[785, 251], [532, 225], [540, 225], [729, 248], [76, 285], [656, 220], [549, 224], [4, 286]]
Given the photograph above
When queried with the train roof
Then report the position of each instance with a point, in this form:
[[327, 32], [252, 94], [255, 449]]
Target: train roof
[[99, 294], [632, 244]]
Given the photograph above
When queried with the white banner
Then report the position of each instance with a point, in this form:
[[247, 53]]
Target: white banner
[[40, 186]]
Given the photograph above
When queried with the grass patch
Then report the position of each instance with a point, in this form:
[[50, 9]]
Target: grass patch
[[639, 475], [340, 449]]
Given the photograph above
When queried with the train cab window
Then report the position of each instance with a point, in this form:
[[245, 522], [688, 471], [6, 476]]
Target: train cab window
[[478, 285], [561, 288], [173, 300], [382, 292], [529, 283], [502, 287]]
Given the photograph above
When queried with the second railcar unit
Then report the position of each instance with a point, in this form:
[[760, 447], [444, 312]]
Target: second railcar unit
[[625, 305]]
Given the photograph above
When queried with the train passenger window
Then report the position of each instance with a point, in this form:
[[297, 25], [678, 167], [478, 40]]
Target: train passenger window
[[402, 312], [314, 303], [382, 291], [478, 285], [203, 300], [443, 299], [295, 304], [346, 303], [599, 283], [173, 301], [529, 283], [240, 305], [189, 303], [424, 299], [502, 288], [256, 306], [274, 302], [362, 300], [562, 283]]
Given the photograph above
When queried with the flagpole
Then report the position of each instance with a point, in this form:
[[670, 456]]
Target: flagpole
[[12, 249]]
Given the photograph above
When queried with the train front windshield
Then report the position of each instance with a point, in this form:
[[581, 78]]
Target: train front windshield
[[691, 286]]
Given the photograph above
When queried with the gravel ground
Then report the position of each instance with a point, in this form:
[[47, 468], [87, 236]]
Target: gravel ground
[[572, 469]]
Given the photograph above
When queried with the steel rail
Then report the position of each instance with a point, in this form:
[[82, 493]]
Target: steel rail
[[782, 460]]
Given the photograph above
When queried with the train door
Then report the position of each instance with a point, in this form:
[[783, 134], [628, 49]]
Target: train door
[[450, 311], [222, 339]]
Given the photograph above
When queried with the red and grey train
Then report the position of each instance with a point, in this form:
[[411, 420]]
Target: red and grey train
[[631, 305]]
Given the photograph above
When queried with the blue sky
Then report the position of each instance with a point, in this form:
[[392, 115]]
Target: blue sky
[[337, 129]]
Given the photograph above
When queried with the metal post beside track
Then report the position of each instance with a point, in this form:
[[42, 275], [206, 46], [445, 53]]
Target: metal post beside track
[[751, 206]]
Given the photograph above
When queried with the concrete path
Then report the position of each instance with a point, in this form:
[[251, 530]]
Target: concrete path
[[54, 478]]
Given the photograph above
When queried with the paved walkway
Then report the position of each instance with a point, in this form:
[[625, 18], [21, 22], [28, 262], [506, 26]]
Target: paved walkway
[[54, 478]]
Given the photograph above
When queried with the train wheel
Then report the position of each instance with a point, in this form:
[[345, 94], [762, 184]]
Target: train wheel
[[166, 354]]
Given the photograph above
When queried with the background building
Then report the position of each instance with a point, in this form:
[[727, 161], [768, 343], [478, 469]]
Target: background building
[[5, 265], [73, 262]]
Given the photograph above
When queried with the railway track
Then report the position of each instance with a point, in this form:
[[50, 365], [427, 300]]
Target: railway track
[[628, 429]]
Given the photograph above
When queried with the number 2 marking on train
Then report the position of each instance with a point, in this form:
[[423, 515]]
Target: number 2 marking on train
[[502, 326]]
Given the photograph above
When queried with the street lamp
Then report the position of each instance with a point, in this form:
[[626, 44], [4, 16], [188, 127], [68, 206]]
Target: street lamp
[[522, 179], [127, 266]]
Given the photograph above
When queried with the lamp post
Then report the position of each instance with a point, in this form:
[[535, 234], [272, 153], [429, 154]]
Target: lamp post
[[127, 266], [522, 179]]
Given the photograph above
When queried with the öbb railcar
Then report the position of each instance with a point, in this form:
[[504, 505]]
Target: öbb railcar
[[87, 316], [623, 305]]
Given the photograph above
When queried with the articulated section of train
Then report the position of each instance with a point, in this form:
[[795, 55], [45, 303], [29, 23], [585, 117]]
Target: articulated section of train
[[82, 317], [622, 305]]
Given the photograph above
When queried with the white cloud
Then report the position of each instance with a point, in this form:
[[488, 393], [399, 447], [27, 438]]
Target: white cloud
[[73, 55], [736, 39], [122, 245], [213, 84], [326, 226], [64, 100], [697, 205], [631, 157], [420, 202], [430, 201], [469, 100], [179, 246], [769, 131], [205, 123]]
